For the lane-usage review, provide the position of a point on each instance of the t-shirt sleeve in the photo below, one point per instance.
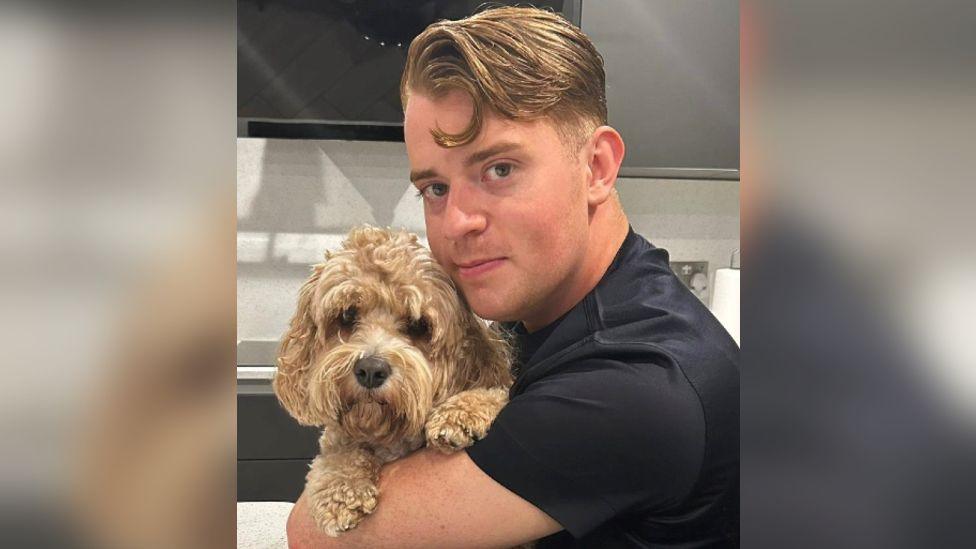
(597, 440)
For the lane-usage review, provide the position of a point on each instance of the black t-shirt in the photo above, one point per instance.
(623, 423)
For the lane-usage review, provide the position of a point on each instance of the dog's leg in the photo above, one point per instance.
(464, 418)
(341, 487)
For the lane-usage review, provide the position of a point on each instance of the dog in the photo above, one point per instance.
(385, 354)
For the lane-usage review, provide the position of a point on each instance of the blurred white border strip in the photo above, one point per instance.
(255, 372)
(296, 248)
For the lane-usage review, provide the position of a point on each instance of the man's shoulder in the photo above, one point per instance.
(640, 329)
(641, 304)
(629, 340)
(640, 332)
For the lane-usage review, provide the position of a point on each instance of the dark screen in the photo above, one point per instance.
(335, 60)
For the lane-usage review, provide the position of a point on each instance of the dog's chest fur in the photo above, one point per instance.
(333, 440)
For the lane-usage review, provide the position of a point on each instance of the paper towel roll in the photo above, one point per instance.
(725, 300)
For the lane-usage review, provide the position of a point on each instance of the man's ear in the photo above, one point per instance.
(605, 153)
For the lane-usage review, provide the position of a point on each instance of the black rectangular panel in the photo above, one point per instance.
(336, 61)
(271, 480)
(266, 431)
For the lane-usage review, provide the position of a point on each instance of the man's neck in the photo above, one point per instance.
(606, 236)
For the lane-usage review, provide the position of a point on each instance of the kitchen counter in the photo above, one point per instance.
(261, 524)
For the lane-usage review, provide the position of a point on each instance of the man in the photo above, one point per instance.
(622, 429)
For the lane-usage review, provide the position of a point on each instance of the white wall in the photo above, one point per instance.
(297, 198)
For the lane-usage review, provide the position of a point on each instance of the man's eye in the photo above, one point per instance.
(434, 190)
(500, 170)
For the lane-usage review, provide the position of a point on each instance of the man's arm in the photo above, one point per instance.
(429, 499)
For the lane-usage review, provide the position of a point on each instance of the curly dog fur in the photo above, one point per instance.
(384, 353)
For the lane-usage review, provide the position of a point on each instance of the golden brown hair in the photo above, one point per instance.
(521, 63)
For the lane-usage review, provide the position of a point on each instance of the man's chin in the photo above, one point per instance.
(489, 314)
(490, 310)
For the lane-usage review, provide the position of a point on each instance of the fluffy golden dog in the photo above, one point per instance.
(384, 354)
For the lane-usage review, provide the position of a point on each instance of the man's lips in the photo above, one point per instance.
(470, 269)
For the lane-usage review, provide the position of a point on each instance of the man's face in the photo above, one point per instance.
(506, 214)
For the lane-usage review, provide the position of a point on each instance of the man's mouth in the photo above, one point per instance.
(478, 267)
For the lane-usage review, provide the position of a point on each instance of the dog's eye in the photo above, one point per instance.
(418, 328)
(348, 317)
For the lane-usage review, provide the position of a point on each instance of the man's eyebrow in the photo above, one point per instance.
(498, 148)
(476, 157)
(422, 174)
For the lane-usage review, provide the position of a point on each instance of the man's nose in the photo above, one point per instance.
(463, 214)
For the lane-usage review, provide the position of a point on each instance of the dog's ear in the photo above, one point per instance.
(485, 359)
(295, 356)
(473, 353)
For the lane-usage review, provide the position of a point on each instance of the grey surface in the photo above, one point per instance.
(672, 82)
(678, 173)
(251, 352)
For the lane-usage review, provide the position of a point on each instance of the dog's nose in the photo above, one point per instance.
(371, 372)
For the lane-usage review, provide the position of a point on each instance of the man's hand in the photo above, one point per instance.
(429, 499)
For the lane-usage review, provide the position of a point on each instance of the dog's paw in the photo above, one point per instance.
(450, 438)
(340, 506)
(455, 425)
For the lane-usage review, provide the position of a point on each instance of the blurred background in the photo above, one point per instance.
(124, 143)
(117, 274)
(858, 377)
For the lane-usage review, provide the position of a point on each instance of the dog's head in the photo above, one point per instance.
(379, 337)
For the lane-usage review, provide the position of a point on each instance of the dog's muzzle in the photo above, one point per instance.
(371, 371)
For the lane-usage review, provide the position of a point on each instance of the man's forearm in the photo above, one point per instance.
(303, 532)
(429, 499)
